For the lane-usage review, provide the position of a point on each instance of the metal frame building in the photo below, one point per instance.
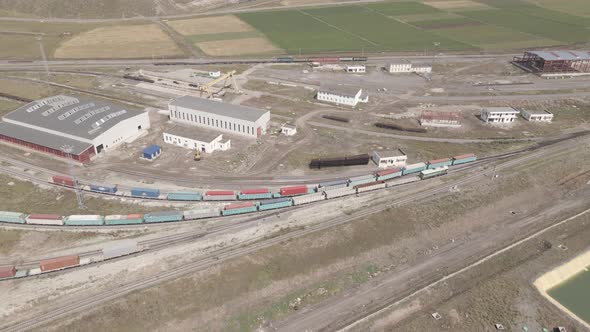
(554, 62)
(83, 126)
(225, 117)
(193, 138)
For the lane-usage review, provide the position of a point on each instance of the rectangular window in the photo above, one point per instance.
(208, 122)
(216, 123)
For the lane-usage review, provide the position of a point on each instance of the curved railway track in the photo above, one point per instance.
(67, 306)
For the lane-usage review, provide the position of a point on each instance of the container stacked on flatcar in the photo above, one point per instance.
(128, 219)
(63, 180)
(439, 163)
(276, 203)
(339, 192)
(370, 186)
(254, 194)
(145, 192)
(361, 180)
(163, 216)
(12, 217)
(59, 263)
(104, 188)
(413, 168)
(184, 196)
(201, 213)
(430, 173)
(7, 272)
(294, 191)
(332, 185)
(219, 195)
(465, 158)
(84, 220)
(45, 219)
(388, 174)
(239, 208)
(309, 198)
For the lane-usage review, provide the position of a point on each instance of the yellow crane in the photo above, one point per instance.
(206, 88)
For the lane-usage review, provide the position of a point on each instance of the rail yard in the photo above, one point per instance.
(294, 165)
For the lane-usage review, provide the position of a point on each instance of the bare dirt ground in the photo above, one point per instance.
(257, 290)
(210, 25)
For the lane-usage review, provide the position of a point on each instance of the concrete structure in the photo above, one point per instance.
(499, 114)
(288, 129)
(440, 119)
(193, 138)
(356, 69)
(408, 67)
(83, 127)
(389, 158)
(539, 116)
(220, 116)
(342, 95)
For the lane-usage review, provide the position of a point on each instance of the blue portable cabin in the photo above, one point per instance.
(413, 168)
(184, 196)
(152, 152)
(104, 188)
(163, 216)
(145, 192)
(462, 159)
(439, 163)
(275, 203)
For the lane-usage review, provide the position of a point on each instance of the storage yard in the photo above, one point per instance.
(404, 165)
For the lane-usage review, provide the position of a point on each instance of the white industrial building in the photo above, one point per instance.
(220, 116)
(288, 129)
(408, 67)
(356, 69)
(342, 95)
(537, 116)
(72, 127)
(389, 158)
(499, 114)
(193, 138)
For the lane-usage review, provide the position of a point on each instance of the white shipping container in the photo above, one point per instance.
(35, 271)
(219, 198)
(340, 192)
(373, 187)
(201, 213)
(84, 217)
(304, 199)
(56, 222)
(362, 177)
(84, 261)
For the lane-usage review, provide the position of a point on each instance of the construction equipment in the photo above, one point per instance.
(197, 156)
(206, 88)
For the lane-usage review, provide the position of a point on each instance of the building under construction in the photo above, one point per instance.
(555, 63)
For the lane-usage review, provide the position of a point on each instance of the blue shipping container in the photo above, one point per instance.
(415, 168)
(276, 205)
(274, 201)
(255, 196)
(185, 196)
(104, 188)
(164, 216)
(145, 192)
(463, 161)
(239, 211)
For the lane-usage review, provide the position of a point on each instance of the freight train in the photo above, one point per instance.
(284, 59)
(253, 200)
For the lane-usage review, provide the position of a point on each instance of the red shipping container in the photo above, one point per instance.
(439, 161)
(464, 156)
(254, 191)
(7, 271)
(135, 216)
(238, 205)
(45, 216)
(219, 193)
(59, 263)
(65, 180)
(388, 171)
(368, 184)
(295, 190)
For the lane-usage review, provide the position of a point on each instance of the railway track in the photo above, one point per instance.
(65, 308)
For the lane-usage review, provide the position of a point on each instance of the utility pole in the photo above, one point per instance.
(39, 39)
(67, 149)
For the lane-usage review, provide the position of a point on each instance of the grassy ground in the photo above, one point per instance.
(25, 89)
(7, 106)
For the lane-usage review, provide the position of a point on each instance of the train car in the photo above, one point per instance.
(201, 213)
(294, 190)
(359, 58)
(361, 159)
(12, 217)
(184, 196)
(239, 208)
(361, 180)
(145, 192)
(219, 195)
(59, 263)
(339, 192)
(125, 219)
(163, 216)
(309, 198)
(465, 158)
(402, 180)
(332, 185)
(276, 195)
(346, 58)
(45, 219)
(7, 272)
(413, 168)
(285, 59)
(439, 163)
(104, 188)
(121, 248)
(255, 194)
(370, 186)
(84, 220)
(63, 180)
(433, 172)
(388, 174)
(277, 203)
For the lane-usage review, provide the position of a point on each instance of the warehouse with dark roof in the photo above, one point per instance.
(73, 127)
